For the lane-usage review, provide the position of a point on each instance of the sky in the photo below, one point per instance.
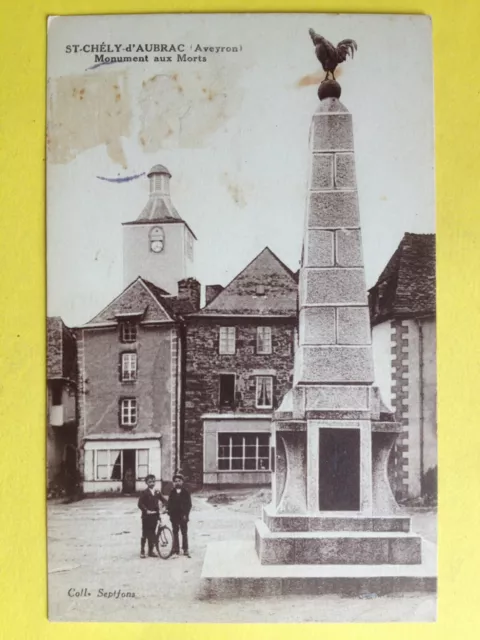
(233, 131)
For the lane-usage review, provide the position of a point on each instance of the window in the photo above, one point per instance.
(56, 393)
(264, 339)
(128, 412)
(142, 463)
(157, 183)
(227, 390)
(244, 452)
(102, 467)
(128, 332)
(129, 367)
(110, 463)
(227, 340)
(264, 394)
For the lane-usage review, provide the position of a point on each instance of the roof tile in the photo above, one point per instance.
(242, 295)
(406, 287)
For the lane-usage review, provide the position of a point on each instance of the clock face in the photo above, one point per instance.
(156, 246)
(157, 239)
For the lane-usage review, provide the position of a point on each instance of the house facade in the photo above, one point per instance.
(130, 354)
(402, 311)
(61, 403)
(238, 365)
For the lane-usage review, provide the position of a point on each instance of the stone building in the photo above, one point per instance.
(402, 311)
(61, 402)
(239, 360)
(130, 354)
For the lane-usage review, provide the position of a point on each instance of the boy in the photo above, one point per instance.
(148, 503)
(179, 506)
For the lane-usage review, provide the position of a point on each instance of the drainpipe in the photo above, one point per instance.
(421, 393)
(182, 372)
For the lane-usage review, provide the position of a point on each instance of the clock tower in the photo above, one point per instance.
(158, 245)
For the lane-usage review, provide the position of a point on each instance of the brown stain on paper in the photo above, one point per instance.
(316, 78)
(235, 190)
(86, 111)
(182, 109)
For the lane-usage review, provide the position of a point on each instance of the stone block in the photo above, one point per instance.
(319, 248)
(288, 523)
(386, 524)
(341, 550)
(345, 171)
(340, 524)
(322, 171)
(334, 286)
(333, 209)
(406, 550)
(298, 402)
(317, 325)
(400, 524)
(348, 248)
(335, 364)
(332, 132)
(277, 551)
(353, 325)
(324, 398)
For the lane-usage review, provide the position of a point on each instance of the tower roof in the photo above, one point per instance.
(159, 169)
(159, 206)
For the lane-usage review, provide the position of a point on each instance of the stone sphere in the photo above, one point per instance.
(329, 89)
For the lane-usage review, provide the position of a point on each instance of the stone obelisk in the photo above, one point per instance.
(332, 434)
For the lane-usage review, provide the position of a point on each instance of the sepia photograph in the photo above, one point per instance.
(241, 319)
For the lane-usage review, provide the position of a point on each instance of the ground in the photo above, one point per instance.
(94, 544)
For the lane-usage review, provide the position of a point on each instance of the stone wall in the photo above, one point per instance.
(414, 396)
(61, 350)
(204, 365)
(398, 464)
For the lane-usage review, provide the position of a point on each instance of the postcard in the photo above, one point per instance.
(241, 353)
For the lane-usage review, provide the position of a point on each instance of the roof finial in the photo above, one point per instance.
(330, 56)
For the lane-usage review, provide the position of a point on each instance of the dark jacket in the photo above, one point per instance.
(147, 502)
(179, 504)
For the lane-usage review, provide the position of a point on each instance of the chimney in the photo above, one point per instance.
(189, 289)
(211, 292)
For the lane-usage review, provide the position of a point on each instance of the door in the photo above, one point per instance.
(339, 476)
(128, 482)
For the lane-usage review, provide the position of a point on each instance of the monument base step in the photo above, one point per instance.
(232, 569)
(336, 547)
(333, 522)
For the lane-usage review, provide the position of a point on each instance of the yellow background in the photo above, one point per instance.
(456, 37)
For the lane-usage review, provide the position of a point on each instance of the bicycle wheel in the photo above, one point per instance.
(164, 542)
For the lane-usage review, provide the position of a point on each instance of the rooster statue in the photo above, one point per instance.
(330, 55)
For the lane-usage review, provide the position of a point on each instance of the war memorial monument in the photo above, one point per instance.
(333, 525)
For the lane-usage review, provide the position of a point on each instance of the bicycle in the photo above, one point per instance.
(163, 539)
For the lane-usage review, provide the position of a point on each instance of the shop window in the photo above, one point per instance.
(243, 452)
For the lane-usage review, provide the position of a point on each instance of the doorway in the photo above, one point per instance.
(128, 480)
(339, 477)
